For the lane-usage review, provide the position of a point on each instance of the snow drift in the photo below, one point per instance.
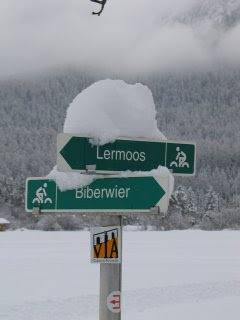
(109, 109)
(106, 110)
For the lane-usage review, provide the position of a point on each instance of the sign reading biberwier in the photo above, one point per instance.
(77, 153)
(115, 195)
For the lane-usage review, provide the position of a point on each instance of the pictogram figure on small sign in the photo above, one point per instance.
(108, 248)
(106, 244)
(41, 195)
(180, 159)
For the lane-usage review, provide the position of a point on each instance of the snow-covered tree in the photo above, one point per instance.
(202, 107)
(211, 201)
(184, 201)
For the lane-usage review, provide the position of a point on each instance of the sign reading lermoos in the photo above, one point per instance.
(77, 153)
(112, 194)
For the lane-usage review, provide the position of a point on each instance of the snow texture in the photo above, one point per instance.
(75, 180)
(109, 109)
(105, 111)
(177, 275)
(2, 220)
(70, 180)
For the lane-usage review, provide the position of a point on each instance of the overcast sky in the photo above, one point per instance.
(130, 35)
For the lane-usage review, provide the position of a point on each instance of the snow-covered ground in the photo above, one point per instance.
(166, 275)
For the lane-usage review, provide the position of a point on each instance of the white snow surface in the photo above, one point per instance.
(109, 109)
(105, 111)
(181, 275)
(2, 220)
(70, 180)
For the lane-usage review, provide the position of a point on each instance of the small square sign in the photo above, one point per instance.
(181, 158)
(106, 244)
(40, 193)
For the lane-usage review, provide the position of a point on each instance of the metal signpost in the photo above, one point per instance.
(111, 196)
(110, 280)
(76, 153)
(106, 244)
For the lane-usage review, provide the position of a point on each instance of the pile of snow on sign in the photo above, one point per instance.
(106, 110)
(70, 180)
(109, 109)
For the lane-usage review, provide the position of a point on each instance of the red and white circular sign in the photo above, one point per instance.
(114, 301)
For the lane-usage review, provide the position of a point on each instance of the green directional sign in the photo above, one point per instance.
(180, 158)
(112, 194)
(77, 153)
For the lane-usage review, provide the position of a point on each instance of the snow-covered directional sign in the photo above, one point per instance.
(76, 153)
(111, 195)
(106, 244)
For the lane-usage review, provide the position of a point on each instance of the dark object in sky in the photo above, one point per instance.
(102, 2)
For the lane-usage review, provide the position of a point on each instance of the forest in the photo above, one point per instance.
(203, 107)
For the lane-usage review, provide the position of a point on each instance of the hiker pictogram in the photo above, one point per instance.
(180, 161)
(114, 301)
(41, 195)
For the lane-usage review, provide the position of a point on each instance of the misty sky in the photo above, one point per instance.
(131, 35)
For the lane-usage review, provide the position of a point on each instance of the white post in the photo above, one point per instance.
(110, 280)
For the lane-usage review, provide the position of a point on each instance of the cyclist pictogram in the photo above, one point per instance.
(41, 195)
(180, 161)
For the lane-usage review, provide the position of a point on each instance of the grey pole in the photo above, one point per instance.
(110, 279)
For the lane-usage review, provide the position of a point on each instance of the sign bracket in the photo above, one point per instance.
(155, 210)
(91, 168)
(36, 211)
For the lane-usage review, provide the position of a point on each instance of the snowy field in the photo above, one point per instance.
(166, 275)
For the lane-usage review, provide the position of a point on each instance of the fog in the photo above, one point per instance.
(131, 36)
